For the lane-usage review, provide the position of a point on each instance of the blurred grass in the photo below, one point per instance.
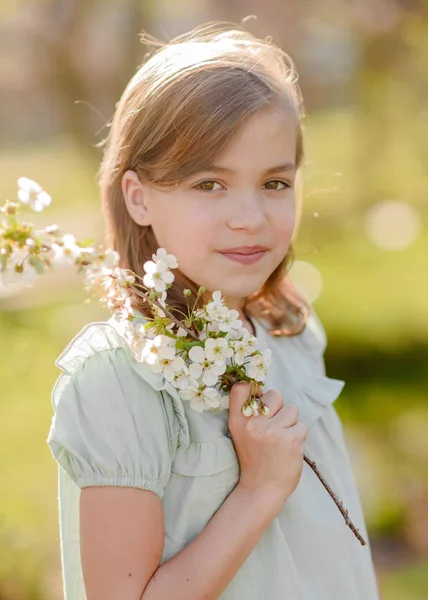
(372, 306)
(410, 583)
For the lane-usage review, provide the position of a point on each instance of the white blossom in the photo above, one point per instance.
(125, 311)
(32, 194)
(18, 269)
(67, 253)
(202, 366)
(169, 365)
(216, 310)
(115, 282)
(103, 264)
(164, 260)
(184, 380)
(158, 348)
(230, 320)
(258, 366)
(216, 304)
(217, 349)
(123, 277)
(137, 338)
(157, 275)
(197, 354)
(109, 260)
(244, 347)
(220, 318)
(237, 334)
(201, 398)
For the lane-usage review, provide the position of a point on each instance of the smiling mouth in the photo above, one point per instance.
(245, 259)
(244, 249)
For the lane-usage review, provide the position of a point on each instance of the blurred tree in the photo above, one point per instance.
(77, 39)
(381, 90)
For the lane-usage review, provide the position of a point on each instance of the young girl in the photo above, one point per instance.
(158, 501)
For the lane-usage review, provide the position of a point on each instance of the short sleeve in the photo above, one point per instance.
(110, 426)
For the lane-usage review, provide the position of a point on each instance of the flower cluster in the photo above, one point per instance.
(201, 356)
(26, 252)
(158, 274)
(203, 362)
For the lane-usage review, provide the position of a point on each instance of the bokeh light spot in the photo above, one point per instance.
(393, 225)
(307, 278)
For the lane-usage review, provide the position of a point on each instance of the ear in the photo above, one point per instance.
(135, 196)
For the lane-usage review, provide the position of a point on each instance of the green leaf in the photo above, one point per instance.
(199, 324)
(86, 243)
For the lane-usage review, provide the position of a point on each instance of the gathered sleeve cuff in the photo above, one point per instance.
(110, 425)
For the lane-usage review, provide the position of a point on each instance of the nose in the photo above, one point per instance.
(247, 210)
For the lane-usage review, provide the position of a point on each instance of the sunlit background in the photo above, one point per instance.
(360, 256)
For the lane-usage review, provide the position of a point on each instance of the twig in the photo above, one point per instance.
(338, 502)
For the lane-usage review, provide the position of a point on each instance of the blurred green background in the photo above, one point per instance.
(360, 255)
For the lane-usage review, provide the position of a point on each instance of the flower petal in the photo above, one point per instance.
(197, 354)
(195, 370)
(209, 377)
(150, 267)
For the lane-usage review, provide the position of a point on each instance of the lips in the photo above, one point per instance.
(245, 255)
(244, 250)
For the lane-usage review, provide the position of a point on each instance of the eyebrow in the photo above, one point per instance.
(216, 168)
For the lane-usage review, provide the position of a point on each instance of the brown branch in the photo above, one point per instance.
(336, 500)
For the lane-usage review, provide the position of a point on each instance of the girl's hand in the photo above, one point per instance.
(269, 448)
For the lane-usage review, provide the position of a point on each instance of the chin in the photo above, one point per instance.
(239, 291)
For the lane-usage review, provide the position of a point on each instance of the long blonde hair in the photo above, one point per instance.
(181, 108)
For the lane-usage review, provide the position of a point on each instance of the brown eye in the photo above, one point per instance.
(274, 183)
(207, 186)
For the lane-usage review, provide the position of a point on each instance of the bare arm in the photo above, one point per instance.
(122, 533)
(121, 541)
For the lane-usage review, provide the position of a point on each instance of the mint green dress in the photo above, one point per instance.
(115, 423)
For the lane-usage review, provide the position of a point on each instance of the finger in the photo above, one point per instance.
(274, 400)
(238, 396)
(300, 430)
(287, 416)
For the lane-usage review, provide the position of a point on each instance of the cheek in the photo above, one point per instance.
(186, 234)
(284, 223)
(192, 227)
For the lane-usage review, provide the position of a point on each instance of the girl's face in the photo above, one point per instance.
(245, 199)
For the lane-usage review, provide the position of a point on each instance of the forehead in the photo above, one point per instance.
(266, 138)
